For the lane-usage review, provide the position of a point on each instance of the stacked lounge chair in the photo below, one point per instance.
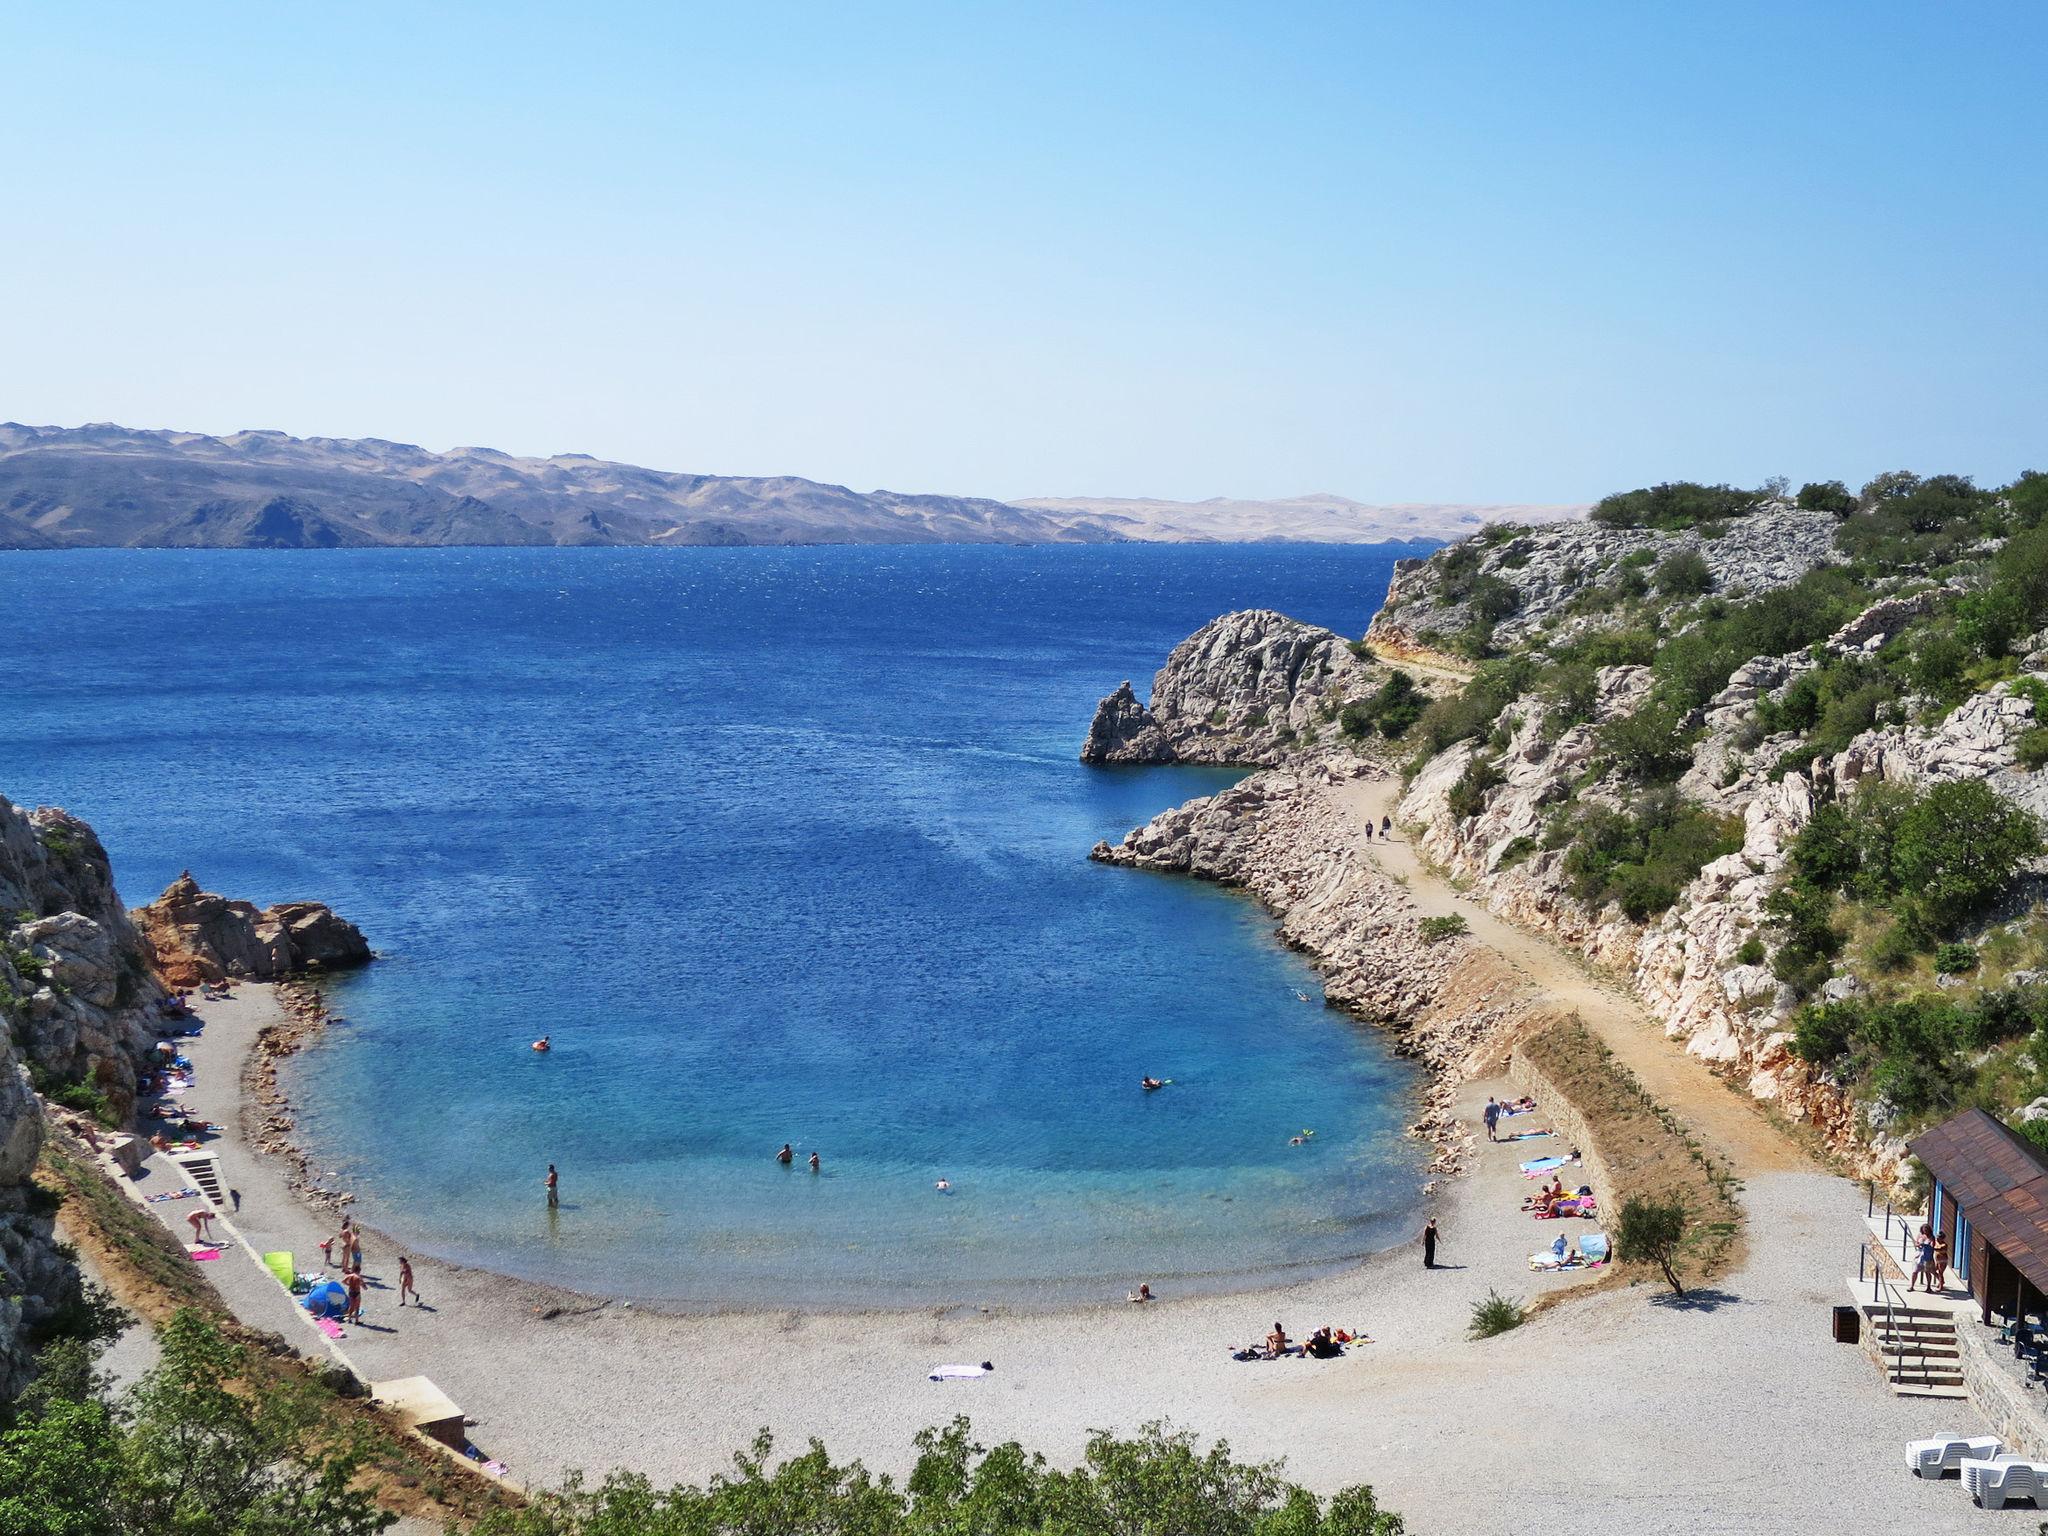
(1946, 1453)
(1995, 1482)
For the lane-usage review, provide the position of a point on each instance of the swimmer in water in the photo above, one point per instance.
(814, 1162)
(542, 1044)
(944, 1186)
(786, 1155)
(1149, 1083)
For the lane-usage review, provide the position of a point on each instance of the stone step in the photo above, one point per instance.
(1911, 1389)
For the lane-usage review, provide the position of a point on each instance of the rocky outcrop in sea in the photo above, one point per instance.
(195, 936)
(1248, 688)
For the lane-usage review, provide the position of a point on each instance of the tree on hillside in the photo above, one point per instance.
(1955, 850)
(1651, 1232)
(1827, 496)
(184, 1452)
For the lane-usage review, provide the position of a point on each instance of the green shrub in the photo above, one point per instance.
(1894, 949)
(1647, 745)
(1955, 959)
(1642, 857)
(1751, 952)
(1675, 504)
(1394, 706)
(1492, 600)
(1495, 1314)
(1450, 926)
(2032, 746)
(1467, 797)
(1685, 574)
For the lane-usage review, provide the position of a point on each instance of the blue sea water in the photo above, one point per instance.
(777, 845)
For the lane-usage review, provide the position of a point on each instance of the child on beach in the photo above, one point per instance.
(405, 1285)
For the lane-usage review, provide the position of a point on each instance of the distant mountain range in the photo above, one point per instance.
(104, 486)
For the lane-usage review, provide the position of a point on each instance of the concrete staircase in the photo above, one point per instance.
(1917, 1346)
(200, 1168)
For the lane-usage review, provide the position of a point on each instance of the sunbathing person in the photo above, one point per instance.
(1321, 1345)
(1276, 1343)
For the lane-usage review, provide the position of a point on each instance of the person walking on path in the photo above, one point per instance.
(353, 1280)
(405, 1284)
(1429, 1244)
(554, 1186)
(1924, 1268)
(1492, 1118)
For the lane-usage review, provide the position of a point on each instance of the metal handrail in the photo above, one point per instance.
(1885, 1294)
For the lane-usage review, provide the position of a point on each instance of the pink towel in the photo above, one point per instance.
(330, 1327)
(201, 1255)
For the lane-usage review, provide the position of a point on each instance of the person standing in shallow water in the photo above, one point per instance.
(554, 1186)
(814, 1162)
(787, 1155)
(1429, 1244)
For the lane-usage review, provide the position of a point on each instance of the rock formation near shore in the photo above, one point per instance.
(196, 936)
(1248, 688)
(1285, 837)
(75, 983)
(76, 998)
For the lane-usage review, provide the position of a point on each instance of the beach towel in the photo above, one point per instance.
(201, 1255)
(1543, 1165)
(330, 1327)
(495, 1468)
(181, 1194)
(280, 1266)
(959, 1372)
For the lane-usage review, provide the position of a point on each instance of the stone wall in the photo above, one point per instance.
(1553, 1104)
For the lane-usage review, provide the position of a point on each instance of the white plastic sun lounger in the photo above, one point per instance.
(1946, 1453)
(1993, 1484)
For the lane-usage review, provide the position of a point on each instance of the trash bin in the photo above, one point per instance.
(1848, 1325)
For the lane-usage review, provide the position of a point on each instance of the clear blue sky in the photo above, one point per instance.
(1402, 252)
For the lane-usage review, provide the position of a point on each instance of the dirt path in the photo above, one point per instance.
(1725, 1119)
(1449, 674)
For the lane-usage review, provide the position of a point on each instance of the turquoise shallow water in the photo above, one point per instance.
(778, 845)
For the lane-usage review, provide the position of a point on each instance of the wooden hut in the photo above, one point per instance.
(1991, 1200)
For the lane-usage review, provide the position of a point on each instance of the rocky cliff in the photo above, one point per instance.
(196, 936)
(1250, 687)
(37, 1277)
(1537, 578)
(75, 983)
(77, 998)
